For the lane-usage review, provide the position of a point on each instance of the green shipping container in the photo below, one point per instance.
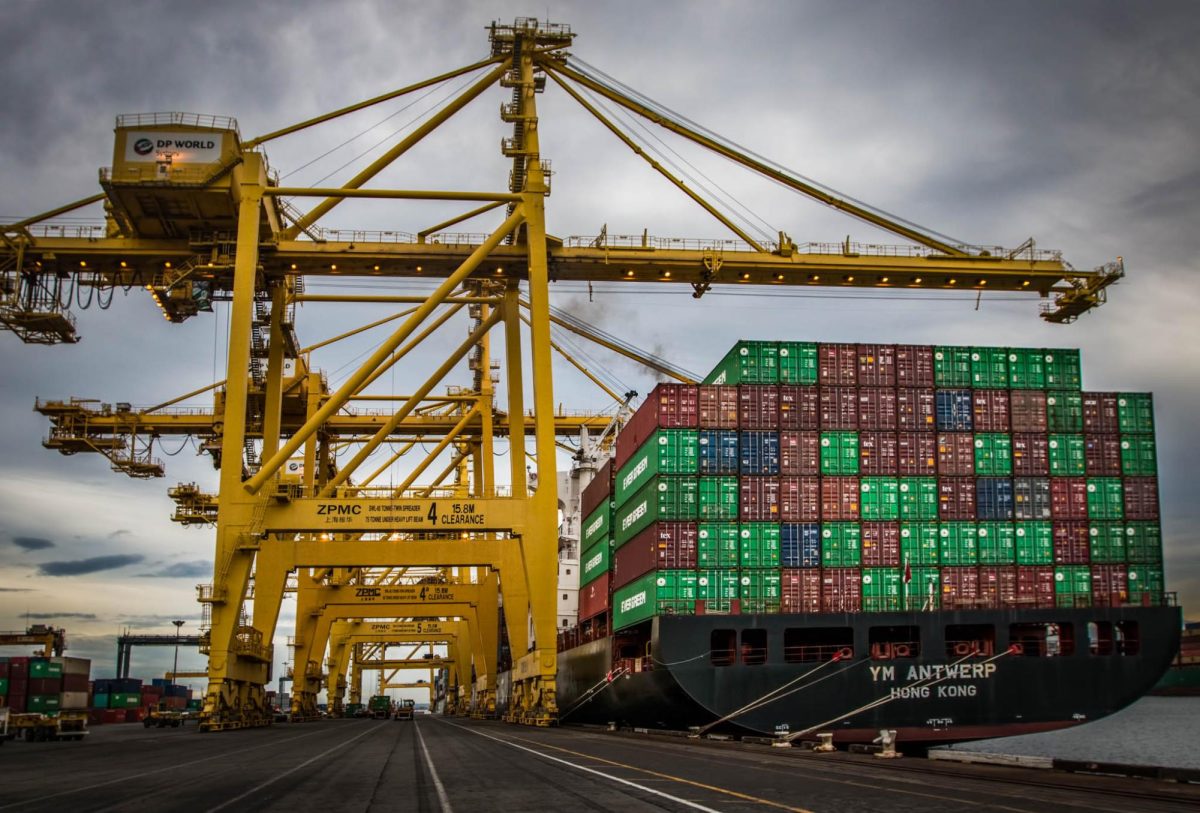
(3, 687)
(993, 454)
(918, 497)
(717, 498)
(40, 669)
(958, 543)
(718, 585)
(42, 703)
(919, 543)
(1138, 456)
(880, 500)
(1143, 542)
(760, 591)
(598, 525)
(717, 544)
(924, 591)
(636, 601)
(758, 544)
(839, 453)
(124, 701)
(1135, 412)
(1064, 411)
(667, 451)
(677, 591)
(1026, 369)
(594, 562)
(1067, 456)
(989, 368)
(952, 366)
(1073, 586)
(663, 498)
(747, 363)
(1035, 543)
(797, 363)
(882, 589)
(100, 701)
(1107, 542)
(997, 543)
(1106, 498)
(841, 544)
(1063, 370)
(1146, 584)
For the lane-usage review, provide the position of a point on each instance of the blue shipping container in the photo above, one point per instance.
(994, 498)
(954, 410)
(759, 453)
(800, 544)
(718, 451)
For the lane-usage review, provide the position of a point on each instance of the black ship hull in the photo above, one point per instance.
(1009, 678)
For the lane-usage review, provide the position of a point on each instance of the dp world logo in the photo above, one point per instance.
(143, 146)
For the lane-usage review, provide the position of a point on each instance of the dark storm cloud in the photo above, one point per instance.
(182, 570)
(32, 542)
(17, 590)
(82, 567)
(54, 616)
(154, 621)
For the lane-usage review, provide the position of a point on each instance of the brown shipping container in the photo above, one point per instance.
(956, 498)
(799, 499)
(758, 499)
(837, 365)
(841, 590)
(839, 499)
(878, 453)
(799, 452)
(718, 407)
(997, 586)
(45, 685)
(839, 408)
(1072, 545)
(916, 410)
(598, 490)
(1110, 585)
(914, 365)
(877, 409)
(881, 544)
(593, 598)
(1068, 498)
(1102, 454)
(1141, 498)
(990, 410)
(75, 683)
(668, 406)
(1100, 413)
(1030, 455)
(1027, 409)
(876, 365)
(916, 454)
(955, 454)
(960, 588)
(801, 590)
(758, 406)
(1035, 586)
(799, 407)
(662, 546)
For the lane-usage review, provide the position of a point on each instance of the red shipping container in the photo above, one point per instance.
(662, 546)
(135, 715)
(18, 669)
(914, 365)
(916, 454)
(1030, 455)
(16, 701)
(956, 497)
(114, 715)
(997, 586)
(990, 410)
(156, 691)
(1068, 498)
(1100, 413)
(877, 409)
(799, 407)
(669, 406)
(4, 669)
(1035, 586)
(839, 408)
(718, 407)
(878, 453)
(1141, 498)
(599, 489)
(799, 499)
(837, 365)
(758, 406)
(45, 685)
(800, 589)
(593, 598)
(955, 454)
(1102, 454)
(916, 410)
(759, 499)
(876, 365)
(960, 588)
(75, 683)
(881, 544)
(1027, 409)
(799, 452)
(1110, 585)
(1072, 545)
(839, 499)
(841, 590)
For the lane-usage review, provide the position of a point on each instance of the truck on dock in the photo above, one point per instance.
(33, 727)
(404, 710)
(380, 707)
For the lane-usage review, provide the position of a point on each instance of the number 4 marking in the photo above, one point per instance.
(432, 515)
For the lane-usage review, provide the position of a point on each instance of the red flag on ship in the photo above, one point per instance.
(907, 571)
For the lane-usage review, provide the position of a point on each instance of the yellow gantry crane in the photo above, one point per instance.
(194, 214)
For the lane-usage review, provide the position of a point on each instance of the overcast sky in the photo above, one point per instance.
(1072, 122)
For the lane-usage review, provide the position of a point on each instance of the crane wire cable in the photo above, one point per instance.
(626, 346)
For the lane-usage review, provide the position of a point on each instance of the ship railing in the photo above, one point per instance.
(626, 665)
(973, 648)
(799, 653)
(886, 650)
(723, 656)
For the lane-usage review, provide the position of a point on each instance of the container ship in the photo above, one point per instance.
(949, 542)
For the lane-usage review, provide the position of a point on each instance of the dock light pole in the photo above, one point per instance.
(174, 669)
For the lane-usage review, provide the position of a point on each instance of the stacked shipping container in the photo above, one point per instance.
(44, 685)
